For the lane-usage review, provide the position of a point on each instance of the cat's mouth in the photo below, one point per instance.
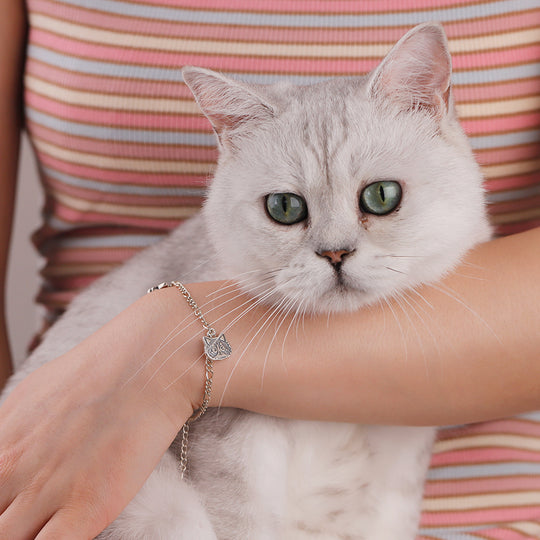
(346, 289)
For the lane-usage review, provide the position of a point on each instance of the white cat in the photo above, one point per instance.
(333, 196)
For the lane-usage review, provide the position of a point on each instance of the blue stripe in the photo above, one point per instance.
(107, 187)
(107, 133)
(121, 240)
(513, 195)
(531, 416)
(453, 533)
(505, 139)
(307, 20)
(482, 471)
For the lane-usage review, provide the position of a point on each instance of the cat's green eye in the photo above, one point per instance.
(286, 208)
(381, 197)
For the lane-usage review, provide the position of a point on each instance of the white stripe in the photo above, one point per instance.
(497, 441)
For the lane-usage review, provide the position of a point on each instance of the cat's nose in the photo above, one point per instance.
(334, 257)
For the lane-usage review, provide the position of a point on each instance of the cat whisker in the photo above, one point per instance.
(241, 356)
(396, 318)
(282, 312)
(180, 347)
(168, 339)
(401, 256)
(452, 294)
(395, 270)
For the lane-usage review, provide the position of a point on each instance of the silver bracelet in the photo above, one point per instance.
(216, 347)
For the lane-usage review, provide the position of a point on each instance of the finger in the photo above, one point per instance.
(23, 518)
(9, 459)
(67, 524)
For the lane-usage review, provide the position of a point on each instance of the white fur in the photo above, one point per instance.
(254, 477)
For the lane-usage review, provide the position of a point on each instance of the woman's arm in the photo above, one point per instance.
(12, 39)
(463, 350)
(79, 436)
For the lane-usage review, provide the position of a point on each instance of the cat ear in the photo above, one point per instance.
(415, 74)
(226, 103)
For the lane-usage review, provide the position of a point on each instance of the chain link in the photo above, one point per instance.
(208, 367)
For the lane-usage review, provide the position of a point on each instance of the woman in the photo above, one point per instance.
(52, 485)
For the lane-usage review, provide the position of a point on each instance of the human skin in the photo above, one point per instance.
(79, 436)
(12, 32)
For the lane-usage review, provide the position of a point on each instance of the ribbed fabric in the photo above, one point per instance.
(125, 155)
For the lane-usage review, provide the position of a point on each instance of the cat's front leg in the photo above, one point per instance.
(166, 507)
(400, 459)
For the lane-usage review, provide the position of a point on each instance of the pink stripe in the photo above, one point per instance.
(122, 177)
(495, 515)
(126, 150)
(487, 92)
(93, 255)
(514, 228)
(104, 117)
(495, 24)
(81, 218)
(515, 206)
(509, 154)
(483, 126)
(501, 57)
(124, 198)
(512, 182)
(468, 486)
(108, 85)
(483, 455)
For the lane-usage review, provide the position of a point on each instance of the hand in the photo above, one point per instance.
(79, 436)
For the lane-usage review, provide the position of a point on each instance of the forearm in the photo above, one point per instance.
(460, 351)
(463, 350)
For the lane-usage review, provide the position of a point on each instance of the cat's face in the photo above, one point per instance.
(332, 196)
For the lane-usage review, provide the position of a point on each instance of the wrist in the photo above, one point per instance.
(159, 354)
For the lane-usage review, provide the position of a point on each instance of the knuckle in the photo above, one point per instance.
(9, 457)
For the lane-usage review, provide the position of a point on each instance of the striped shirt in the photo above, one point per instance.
(125, 155)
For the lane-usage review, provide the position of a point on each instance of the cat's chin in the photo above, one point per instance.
(341, 298)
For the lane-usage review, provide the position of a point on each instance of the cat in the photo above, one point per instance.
(334, 196)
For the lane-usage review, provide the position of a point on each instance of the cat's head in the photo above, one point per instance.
(331, 196)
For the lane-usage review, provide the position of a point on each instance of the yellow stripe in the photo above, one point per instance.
(158, 212)
(506, 441)
(124, 164)
(110, 101)
(476, 502)
(527, 527)
(200, 46)
(495, 108)
(511, 169)
(499, 40)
